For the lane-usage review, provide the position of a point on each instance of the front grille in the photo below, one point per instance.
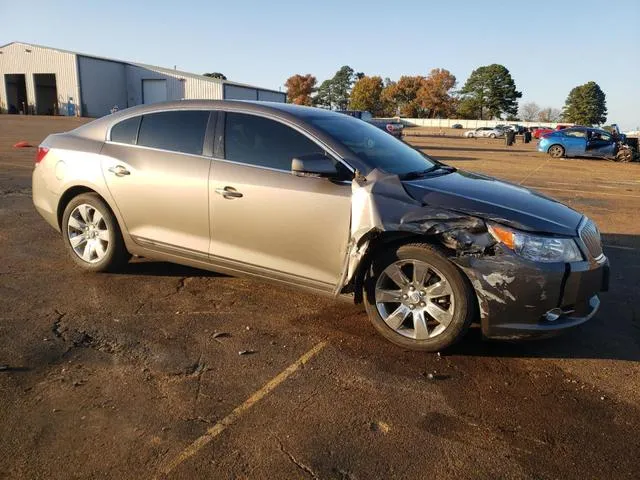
(590, 235)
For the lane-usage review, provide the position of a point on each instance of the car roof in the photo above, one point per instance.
(289, 113)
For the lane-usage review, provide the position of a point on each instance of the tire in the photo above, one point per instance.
(556, 151)
(492, 135)
(444, 292)
(470, 135)
(624, 155)
(92, 235)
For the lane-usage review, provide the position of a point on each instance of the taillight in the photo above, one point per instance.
(41, 153)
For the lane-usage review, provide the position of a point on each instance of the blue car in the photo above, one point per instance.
(583, 142)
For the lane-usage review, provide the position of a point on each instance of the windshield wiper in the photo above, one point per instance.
(424, 173)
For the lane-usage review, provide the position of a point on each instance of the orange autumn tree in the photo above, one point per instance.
(300, 88)
(434, 95)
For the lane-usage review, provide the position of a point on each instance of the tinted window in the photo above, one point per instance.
(259, 141)
(179, 131)
(126, 131)
(374, 146)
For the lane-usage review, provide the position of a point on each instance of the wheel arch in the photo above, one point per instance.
(381, 241)
(73, 192)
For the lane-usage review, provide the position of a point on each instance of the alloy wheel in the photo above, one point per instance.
(88, 233)
(556, 151)
(414, 299)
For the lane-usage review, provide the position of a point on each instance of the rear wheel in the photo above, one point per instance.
(556, 151)
(92, 235)
(416, 298)
(492, 135)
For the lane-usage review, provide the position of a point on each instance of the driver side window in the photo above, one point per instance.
(263, 142)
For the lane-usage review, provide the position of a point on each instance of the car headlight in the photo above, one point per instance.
(537, 248)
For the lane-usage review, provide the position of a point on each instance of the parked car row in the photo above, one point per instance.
(485, 132)
(392, 128)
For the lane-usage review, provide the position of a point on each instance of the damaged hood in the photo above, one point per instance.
(492, 199)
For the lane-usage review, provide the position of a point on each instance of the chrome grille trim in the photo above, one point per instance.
(590, 236)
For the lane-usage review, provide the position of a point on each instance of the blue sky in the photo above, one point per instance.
(549, 47)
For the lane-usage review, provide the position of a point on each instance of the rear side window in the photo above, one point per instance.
(178, 131)
(126, 131)
(263, 142)
(574, 133)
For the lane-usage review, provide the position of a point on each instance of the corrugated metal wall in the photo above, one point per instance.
(103, 84)
(16, 59)
(178, 86)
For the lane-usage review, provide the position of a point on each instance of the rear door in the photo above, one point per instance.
(157, 172)
(264, 217)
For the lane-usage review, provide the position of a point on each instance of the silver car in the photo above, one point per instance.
(484, 132)
(324, 202)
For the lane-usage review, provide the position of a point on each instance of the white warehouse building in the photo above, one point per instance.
(41, 80)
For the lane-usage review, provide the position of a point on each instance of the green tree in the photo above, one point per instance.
(300, 88)
(490, 92)
(334, 93)
(366, 94)
(215, 75)
(586, 105)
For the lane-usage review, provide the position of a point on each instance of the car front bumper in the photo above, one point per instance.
(519, 298)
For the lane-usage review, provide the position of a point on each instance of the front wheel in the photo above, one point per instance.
(416, 298)
(624, 155)
(556, 151)
(492, 135)
(92, 235)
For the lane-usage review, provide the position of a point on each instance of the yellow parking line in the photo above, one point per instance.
(221, 426)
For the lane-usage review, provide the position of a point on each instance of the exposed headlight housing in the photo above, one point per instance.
(537, 248)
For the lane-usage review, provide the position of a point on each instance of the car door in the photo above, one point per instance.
(574, 142)
(157, 173)
(265, 219)
(601, 145)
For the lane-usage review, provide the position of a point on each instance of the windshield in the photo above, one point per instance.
(375, 147)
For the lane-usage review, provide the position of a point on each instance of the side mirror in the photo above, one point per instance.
(315, 165)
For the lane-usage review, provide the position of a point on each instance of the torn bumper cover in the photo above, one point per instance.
(516, 297)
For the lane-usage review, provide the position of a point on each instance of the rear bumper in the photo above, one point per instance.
(518, 298)
(44, 200)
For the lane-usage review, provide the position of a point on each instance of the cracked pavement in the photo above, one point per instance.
(109, 376)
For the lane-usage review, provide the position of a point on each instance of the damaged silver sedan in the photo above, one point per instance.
(321, 201)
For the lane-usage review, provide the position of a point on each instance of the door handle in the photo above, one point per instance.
(119, 171)
(228, 192)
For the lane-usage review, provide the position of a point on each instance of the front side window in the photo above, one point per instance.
(179, 131)
(263, 142)
(372, 145)
(126, 131)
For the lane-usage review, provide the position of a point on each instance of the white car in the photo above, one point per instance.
(484, 132)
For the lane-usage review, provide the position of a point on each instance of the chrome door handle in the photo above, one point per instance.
(228, 192)
(119, 171)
